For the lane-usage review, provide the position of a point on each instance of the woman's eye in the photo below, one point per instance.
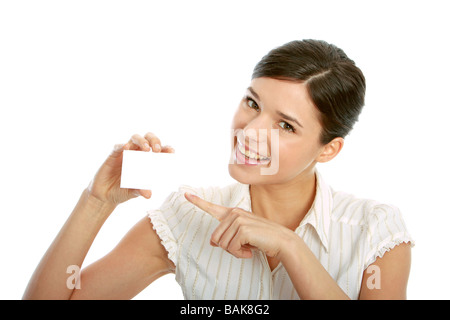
(252, 104)
(286, 126)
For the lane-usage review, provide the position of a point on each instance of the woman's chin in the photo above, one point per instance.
(248, 175)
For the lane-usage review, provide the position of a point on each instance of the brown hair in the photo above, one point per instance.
(335, 84)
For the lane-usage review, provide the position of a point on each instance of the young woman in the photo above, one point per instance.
(282, 235)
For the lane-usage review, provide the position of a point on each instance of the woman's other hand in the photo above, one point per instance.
(105, 186)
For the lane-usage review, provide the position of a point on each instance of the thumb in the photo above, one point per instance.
(134, 193)
(145, 193)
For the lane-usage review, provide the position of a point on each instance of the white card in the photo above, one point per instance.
(149, 170)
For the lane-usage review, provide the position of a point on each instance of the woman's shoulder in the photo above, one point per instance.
(382, 225)
(364, 211)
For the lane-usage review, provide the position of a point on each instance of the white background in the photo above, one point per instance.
(77, 77)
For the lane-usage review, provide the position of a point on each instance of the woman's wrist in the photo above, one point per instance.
(290, 246)
(309, 277)
(98, 207)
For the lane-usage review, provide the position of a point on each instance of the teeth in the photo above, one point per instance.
(250, 154)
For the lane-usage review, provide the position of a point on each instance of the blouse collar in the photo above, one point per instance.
(319, 215)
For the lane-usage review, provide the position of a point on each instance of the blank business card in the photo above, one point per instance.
(148, 170)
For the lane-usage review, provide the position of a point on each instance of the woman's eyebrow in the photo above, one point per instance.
(281, 114)
(285, 116)
(253, 92)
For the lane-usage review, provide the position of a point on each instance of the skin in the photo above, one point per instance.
(277, 210)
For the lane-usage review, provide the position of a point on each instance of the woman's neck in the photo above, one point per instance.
(286, 204)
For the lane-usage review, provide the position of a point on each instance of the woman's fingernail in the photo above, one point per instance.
(157, 147)
(189, 195)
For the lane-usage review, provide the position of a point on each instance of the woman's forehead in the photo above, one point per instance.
(285, 96)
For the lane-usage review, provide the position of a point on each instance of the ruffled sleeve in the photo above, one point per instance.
(385, 230)
(168, 220)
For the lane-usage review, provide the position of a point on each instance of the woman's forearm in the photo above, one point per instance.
(69, 248)
(309, 277)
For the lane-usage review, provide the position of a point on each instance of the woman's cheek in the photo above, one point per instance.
(288, 160)
(293, 159)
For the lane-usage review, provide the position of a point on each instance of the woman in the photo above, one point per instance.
(282, 234)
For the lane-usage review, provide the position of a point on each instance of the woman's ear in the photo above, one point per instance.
(331, 150)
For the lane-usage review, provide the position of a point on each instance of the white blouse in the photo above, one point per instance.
(346, 235)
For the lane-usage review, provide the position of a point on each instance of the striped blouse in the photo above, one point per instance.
(346, 235)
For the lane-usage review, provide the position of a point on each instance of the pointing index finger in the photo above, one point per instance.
(217, 211)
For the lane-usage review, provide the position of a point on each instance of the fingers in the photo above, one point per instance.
(145, 193)
(117, 150)
(231, 234)
(168, 149)
(227, 228)
(148, 142)
(154, 141)
(138, 142)
(134, 193)
(239, 248)
(218, 212)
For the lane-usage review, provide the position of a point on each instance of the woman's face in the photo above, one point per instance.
(269, 107)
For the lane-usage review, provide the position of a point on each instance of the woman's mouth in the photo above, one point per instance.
(246, 156)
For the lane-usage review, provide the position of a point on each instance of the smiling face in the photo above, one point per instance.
(286, 107)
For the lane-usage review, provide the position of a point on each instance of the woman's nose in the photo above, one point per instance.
(255, 140)
(257, 130)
